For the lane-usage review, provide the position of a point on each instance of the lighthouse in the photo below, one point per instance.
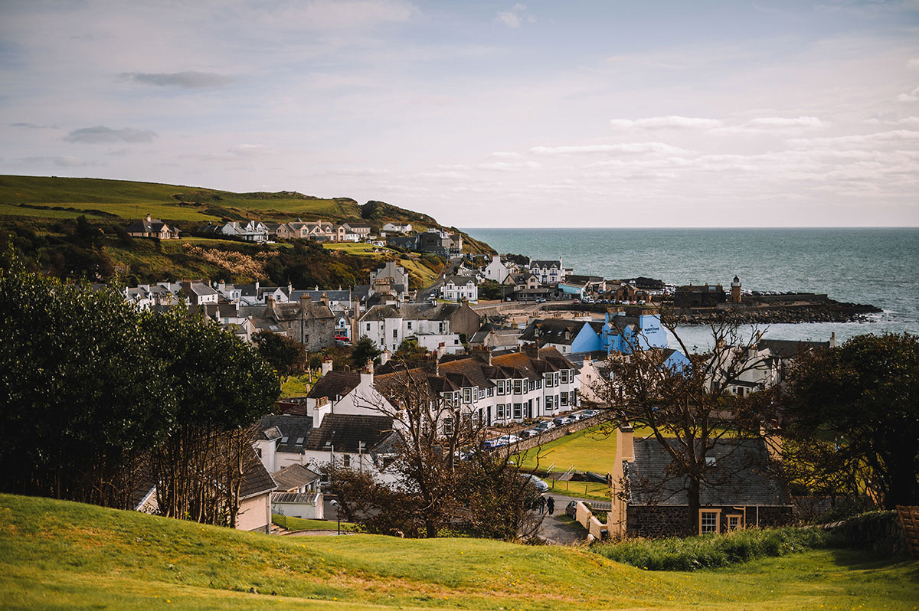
(735, 290)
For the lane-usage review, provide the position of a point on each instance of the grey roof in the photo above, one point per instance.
(739, 477)
(542, 264)
(412, 311)
(460, 280)
(256, 479)
(335, 384)
(317, 295)
(789, 349)
(345, 433)
(305, 498)
(292, 428)
(294, 476)
(552, 331)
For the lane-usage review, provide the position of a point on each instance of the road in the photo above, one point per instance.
(555, 531)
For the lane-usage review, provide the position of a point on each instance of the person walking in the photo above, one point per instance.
(542, 504)
(550, 504)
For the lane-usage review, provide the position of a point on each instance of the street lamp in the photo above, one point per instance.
(337, 513)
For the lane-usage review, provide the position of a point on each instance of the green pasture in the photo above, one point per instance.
(61, 555)
(357, 248)
(587, 450)
(290, 523)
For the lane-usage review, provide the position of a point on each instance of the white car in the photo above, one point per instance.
(539, 484)
(506, 440)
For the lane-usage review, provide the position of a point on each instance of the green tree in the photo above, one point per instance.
(286, 355)
(854, 410)
(364, 350)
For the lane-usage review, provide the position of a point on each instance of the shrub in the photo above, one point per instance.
(709, 551)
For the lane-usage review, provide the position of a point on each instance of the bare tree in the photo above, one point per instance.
(690, 406)
(444, 478)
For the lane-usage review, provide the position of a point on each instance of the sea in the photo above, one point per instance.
(878, 266)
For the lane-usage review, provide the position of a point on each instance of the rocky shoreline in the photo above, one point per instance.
(829, 311)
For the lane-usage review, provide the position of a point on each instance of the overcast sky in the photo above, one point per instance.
(483, 114)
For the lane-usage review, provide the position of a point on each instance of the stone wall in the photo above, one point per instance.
(659, 521)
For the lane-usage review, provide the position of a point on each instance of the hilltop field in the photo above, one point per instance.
(56, 554)
(41, 216)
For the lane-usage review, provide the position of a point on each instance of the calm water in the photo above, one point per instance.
(876, 266)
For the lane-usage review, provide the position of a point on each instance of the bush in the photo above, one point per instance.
(879, 531)
(710, 551)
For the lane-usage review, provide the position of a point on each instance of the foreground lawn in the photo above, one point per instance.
(56, 554)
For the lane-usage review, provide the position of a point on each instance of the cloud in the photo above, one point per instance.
(250, 150)
(616, 149)
(181, 80)
(912, 96)
(508, 166)
(668, 122)
(106, 135)
(515, 17)
(783, 122)
(505, 155)
(62, 161)
(913, 64)
(33, 126)
(322, 15)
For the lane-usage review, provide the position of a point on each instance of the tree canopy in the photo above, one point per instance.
(855, 409)
(92, 387)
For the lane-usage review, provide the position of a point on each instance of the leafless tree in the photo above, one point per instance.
(689, 406)
(444, 476)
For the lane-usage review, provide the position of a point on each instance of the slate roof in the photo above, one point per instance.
(335, 384)
(344, 432)
(745, 479)
(293, 310)
(552, 331)
(411, 311)
(789, 349)
(305, 498)
(292, 477)
(316, 296)
(460, 280)
(546, 264)
(256, 479)
(145, 226)
(293, 428)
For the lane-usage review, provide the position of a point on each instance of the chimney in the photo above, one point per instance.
(355, 320)
(290, 288)
(305, 297)
(625, 444)
(327, 365)
(367, 373)
(324, 298)
(385, 356)
(149, 218)
(269, 307)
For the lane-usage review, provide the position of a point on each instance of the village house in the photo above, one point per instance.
(548, 272)
(308, 322)
(649, 500)
(403, 228)
(496, 270)
(459, 288)
(152, 228)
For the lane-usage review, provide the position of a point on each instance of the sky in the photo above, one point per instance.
(573, 113)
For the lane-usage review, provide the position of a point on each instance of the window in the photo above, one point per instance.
(548, 380)
(346, 460)
(532, 385)
(409, 325)
(448, 426)
(395, 334)
(368, 326)
(550, 403)
(708, 521)
(491, 392)
(564, 397)
(467, 395)
(538, 384)
(518, 387)
(517, 410)
(734, 522)
(499, 411)
(574, 398)
(564, 376)
(500, 384)
(555, 381)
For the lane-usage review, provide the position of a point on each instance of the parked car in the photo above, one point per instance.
(589, 413)
(544, 426)
(539, 484)
(563, 420)
(571, 510)
(505, 440)
(529, 433)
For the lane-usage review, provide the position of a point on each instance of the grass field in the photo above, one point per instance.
(357, 248)
(134, 200)
(55, 554)
(586, 450)
(300, 524)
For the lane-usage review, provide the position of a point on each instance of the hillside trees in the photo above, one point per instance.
(286, 355)
(854, 418)
(95, 394)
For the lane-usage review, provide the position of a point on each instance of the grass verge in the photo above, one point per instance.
(713, 551)
(291, 523)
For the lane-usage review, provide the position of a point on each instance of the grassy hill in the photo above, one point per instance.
(56, 554)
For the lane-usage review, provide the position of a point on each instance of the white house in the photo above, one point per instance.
(397, 228)
(548, 272)
(458, 288)
(496, 270)
(389, 325)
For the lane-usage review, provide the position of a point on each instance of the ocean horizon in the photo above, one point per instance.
(868, 265)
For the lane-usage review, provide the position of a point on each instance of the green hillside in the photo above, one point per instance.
(56, 554)
(51, 197)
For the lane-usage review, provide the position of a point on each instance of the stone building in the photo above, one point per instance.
(310, 323)
(649, 500)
